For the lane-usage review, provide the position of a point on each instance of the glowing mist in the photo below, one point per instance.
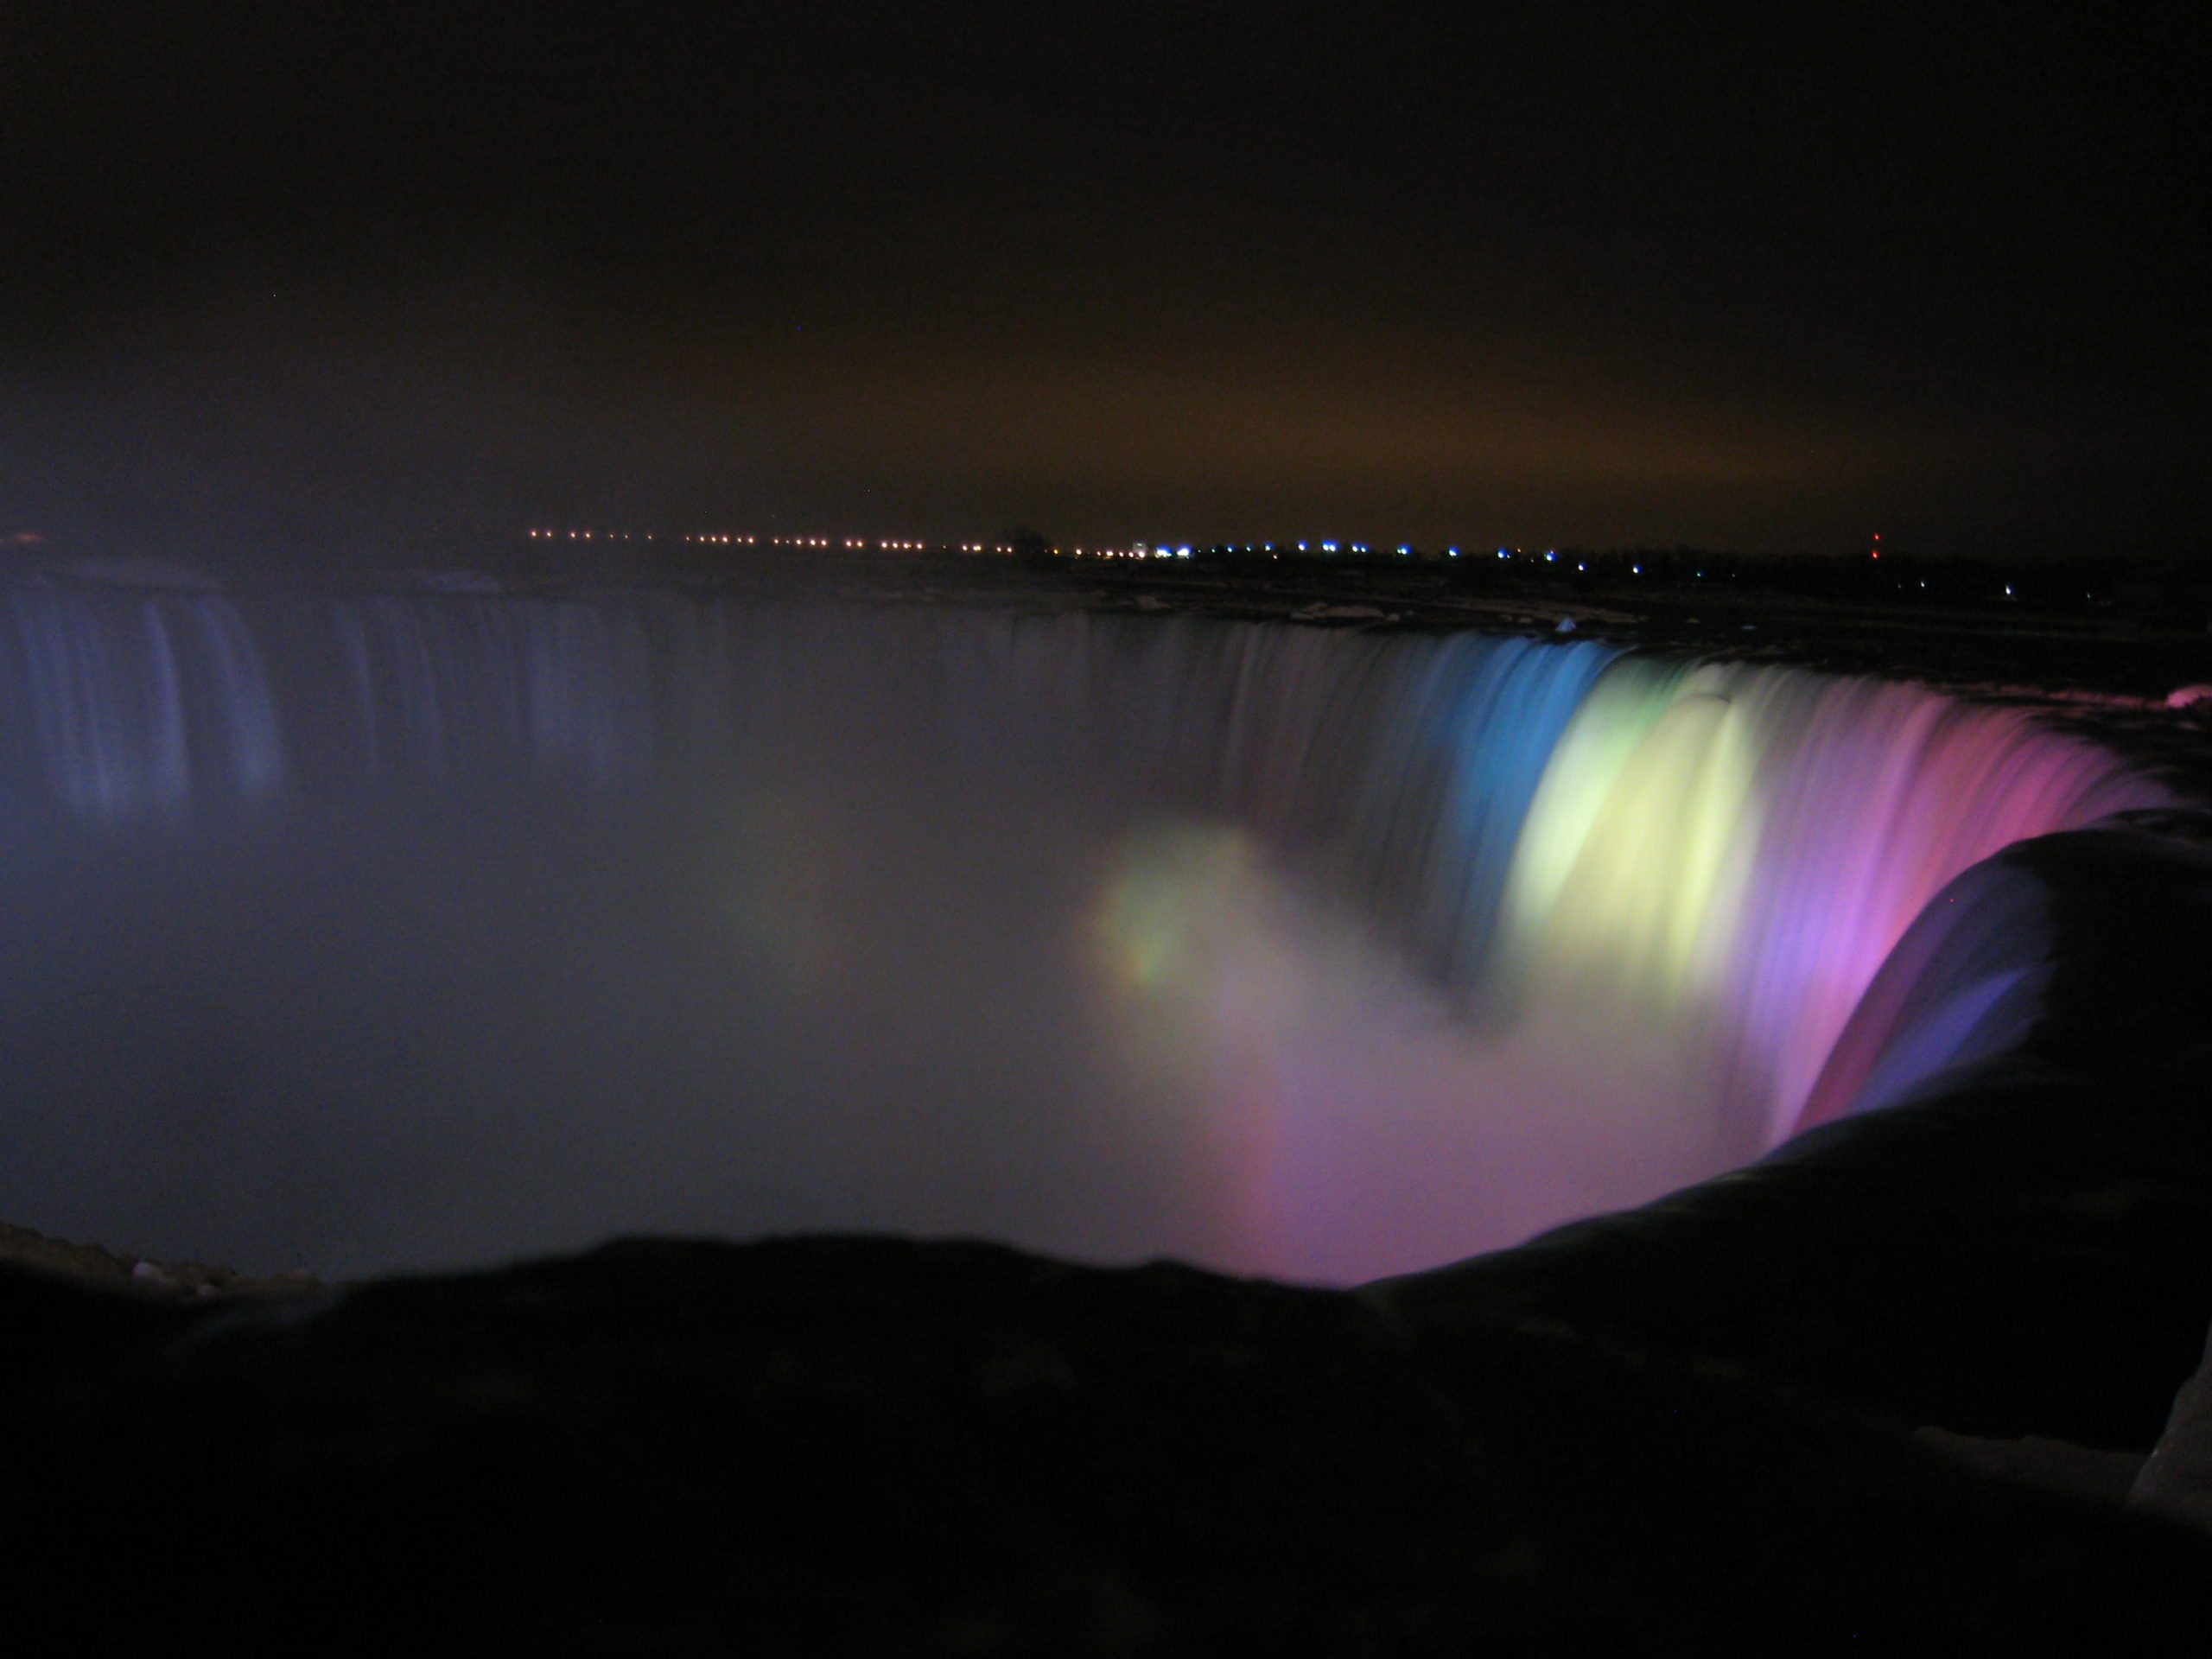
(393, 929)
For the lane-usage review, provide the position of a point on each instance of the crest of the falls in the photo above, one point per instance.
(1321, 952)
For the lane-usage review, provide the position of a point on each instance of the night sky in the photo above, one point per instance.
(317, 274)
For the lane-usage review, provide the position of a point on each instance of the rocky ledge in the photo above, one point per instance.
(98, 1265)
(868, 1446)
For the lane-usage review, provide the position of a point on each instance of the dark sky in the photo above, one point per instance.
(318, 272)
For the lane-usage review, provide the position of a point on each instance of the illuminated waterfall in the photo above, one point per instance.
(1746, 845)
(122, 705)
(1409, 931)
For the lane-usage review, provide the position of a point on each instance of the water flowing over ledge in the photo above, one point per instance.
(1393, 947)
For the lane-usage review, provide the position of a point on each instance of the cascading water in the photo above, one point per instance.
(377, 930)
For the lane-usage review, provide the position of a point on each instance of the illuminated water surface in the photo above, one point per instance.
(410, 929)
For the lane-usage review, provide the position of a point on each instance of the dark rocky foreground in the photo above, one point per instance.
(833, 1446)
(1883, 1392)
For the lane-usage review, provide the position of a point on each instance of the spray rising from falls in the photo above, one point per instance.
(400, 927)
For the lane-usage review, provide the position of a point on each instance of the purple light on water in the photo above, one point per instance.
(413, 926)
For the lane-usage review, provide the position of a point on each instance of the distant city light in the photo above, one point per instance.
(1134, 549)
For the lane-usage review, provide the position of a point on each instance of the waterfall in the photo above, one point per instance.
(122, 704)
(1326, 899)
